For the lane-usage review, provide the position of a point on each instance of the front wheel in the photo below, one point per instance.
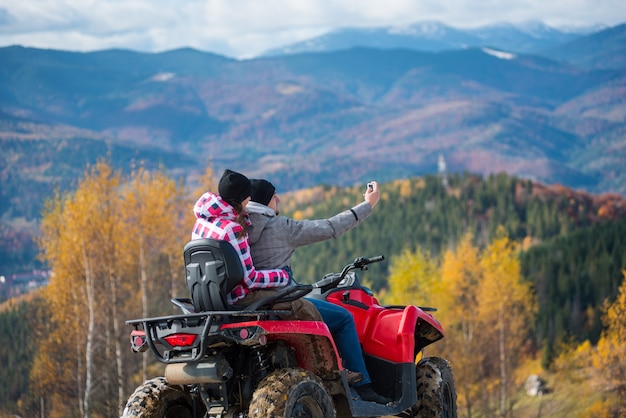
(436, 394)
(156, 399)
(290, 393)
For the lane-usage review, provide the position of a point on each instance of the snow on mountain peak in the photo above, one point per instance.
(499, 54)
(161, 77)
(426, 29)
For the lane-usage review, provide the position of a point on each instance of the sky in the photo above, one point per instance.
(246, 28)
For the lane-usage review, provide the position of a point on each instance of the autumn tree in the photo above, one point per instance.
(461, 274)
(206, 182)
(485, 307)
(154, 235)
(507, 309)
(78, 243)
(109, 244)
(607, 374)
(413, 279)
(609, 360)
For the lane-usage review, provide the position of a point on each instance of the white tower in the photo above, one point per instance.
(441, 163)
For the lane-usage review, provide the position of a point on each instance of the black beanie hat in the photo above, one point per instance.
(262, 191)
(234, 187)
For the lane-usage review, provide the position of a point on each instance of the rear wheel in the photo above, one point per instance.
(436, 394)
(156, 399)
(291, 393)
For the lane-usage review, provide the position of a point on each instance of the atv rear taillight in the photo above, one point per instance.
(181, 340)
(138, 341)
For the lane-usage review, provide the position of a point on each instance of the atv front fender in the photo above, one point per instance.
(396, 333)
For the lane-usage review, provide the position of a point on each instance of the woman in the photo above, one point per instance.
(222, 217)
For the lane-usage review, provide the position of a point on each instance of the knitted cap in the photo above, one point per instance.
(262, 191)
(234, 187)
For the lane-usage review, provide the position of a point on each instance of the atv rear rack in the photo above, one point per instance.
(194, 332)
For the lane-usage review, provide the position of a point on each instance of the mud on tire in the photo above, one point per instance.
(289, 393)
(436, 393)
(156, 399)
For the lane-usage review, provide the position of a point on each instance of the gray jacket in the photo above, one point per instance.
(273, 239)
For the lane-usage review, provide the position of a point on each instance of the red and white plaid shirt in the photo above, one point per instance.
(216, 219)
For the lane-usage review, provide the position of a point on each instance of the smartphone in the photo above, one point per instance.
(370, 186)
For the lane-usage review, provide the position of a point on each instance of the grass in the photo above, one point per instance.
(566, 397)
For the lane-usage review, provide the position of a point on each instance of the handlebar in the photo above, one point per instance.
(362, 262)
(359, 263)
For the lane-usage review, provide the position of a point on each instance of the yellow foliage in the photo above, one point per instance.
(505, 299)
(93, 240)
(207, 182)
(414, 279)
(204, 181)
(405, 188)
(600, 409)
(79, 244)
(484, 307)
(584, 349)
(609, 356)
(307, 197)
(528, 242)
(591, 369)
(461, 274)
(615, 317)
(572, 360)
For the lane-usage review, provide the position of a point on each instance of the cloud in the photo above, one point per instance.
(5, 17)
(244, 28)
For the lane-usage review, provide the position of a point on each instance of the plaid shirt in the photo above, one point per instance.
(216, 219)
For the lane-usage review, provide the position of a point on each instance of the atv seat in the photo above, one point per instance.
(214, 269)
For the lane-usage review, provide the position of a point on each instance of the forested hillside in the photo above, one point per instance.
(573, 274)
(16, 359)
(426, 213)
(570, 248)
(574, 243)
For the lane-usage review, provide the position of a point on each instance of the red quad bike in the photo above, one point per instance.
(223, 361)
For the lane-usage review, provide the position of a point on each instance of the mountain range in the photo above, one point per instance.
(530, 37)
(342, 116)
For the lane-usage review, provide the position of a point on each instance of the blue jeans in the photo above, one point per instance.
(341, 325)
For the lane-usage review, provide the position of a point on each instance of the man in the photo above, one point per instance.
(273, 239)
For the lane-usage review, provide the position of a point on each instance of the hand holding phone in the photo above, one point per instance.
(371, 195)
